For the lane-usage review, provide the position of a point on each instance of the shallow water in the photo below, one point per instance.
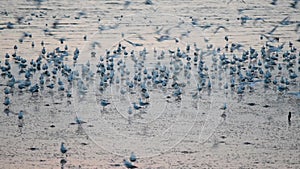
(169, 133)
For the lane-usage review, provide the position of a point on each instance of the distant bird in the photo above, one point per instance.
(127, 3)
(132, 157)
(273, 30)
(224, 106)
(50, 86)
(220, 27)
(129, 110)
(9, 25)
(226, 38)
(148, 2)
(129, 164)
(294, 4)
(104, 103)
(293, 75)
(63, 149)
(132, 43)
(69, 94)
(163, 38)
(223, 115)
(63, 162)
(6, 91)
(34, 89)
(136, 107)
(289, 116)
(62, 40)
(21, 115)
(79, 121)
(6, 101)
(143, 103)
(274, 2)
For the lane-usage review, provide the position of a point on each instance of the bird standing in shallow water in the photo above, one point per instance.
(224, 106)
(289, 117)
(143, 103)
(79, 121)
(21, 115)
(132, 157)
(104, 103)
(63, 149)
(135, 106)
(129, 164)
(6, 101)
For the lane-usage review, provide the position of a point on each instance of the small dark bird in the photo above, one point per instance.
(223, 115)
(149, 2)
(274, 2)
(289, 117)
(226, 38)
(63, 162)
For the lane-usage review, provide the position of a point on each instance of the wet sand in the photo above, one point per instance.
(190, 132)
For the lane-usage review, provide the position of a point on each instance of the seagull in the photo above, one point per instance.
(104, 103)
(132, 157)
(127, 3)
(148, 2)
(21, 115)
(226, 38)
(220, 27)
(63, 149)
(129, 164)
(7, 91)
(224, 107)
(223, 115)
(135, 106)
(143, 103)
(285, 21)
(79, 121)
(132, 43)
(6, 101)
(34, 89)
(274, 2)
(294, 4)
(63, 162)
(273, 30)
(129, 110)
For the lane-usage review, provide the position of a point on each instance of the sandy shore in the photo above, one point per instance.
(192, 130)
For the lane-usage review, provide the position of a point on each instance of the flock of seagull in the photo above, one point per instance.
(230, 68)
(276, 69)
